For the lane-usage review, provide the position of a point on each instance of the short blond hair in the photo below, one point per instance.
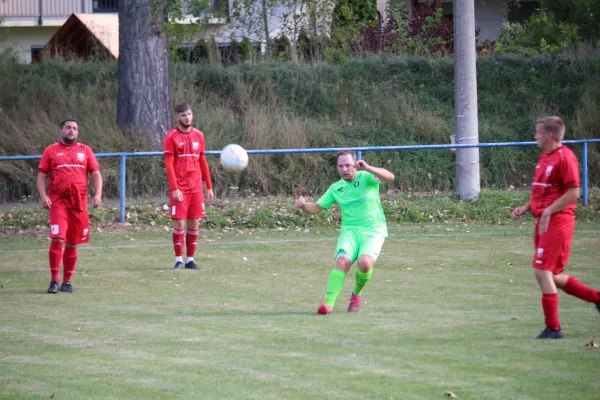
(345, 153)
(553, 125)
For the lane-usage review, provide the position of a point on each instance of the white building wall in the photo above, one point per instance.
(21, 39)
(489, 18)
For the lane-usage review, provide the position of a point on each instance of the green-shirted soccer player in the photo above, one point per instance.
(363, 224)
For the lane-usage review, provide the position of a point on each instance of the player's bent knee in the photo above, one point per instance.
(365, 263)
(58, 239)
(343, 262)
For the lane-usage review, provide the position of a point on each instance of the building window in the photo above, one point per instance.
(36, 54)
(106, 6)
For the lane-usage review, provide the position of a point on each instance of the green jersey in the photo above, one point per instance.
(359, 202)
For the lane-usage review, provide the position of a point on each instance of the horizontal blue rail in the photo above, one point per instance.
(359, 150)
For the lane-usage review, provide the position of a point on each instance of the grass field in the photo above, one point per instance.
(440, 314)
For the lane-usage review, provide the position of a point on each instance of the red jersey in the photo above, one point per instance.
(555, 173)
(68, 167)
(188, 150)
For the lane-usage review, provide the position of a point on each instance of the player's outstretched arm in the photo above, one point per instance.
(310, 208)
(383, 174)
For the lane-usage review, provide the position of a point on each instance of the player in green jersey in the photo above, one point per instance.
(363, 224)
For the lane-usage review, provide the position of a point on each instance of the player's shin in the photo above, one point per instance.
(69, 261)
(361, 281)
(191, 241)
(550, 306)
(581, 291)
(178, 244)
(54, 257)
(334, 286)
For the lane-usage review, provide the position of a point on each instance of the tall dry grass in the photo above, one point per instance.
(370, 102)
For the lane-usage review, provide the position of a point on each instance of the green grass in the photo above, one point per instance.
(437, 317)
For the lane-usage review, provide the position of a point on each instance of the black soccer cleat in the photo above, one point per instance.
(53, 288)
(66, 287)
(191, 265)
(178, 265)
(551, 334)
(598, 303)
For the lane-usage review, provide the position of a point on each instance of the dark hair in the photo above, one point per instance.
(62, 124)
(182, 107)
(345, 153)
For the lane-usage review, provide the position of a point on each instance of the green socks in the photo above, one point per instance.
(336, 282)
(334, 286)
(361, 280)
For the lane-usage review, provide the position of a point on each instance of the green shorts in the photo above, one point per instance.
(354, 244)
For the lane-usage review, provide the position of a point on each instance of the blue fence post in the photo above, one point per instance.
(584, 172)
(122, 188)
(359, 155)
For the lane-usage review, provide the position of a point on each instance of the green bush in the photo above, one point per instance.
(540, 34)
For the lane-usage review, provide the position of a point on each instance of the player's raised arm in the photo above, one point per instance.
(307, 207)
(383, 174)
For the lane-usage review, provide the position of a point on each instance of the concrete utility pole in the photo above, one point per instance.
(465, 99)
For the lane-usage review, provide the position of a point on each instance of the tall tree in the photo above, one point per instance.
(144, 98)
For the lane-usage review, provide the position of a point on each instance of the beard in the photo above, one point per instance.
(184, 125)
(67, 140)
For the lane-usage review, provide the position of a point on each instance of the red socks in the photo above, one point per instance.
(191, 241)
(178, 242)
(69, 261)
(550, 306)
(54, 256)
(581, 291)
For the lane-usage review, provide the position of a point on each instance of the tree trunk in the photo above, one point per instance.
(144, 99)
(265, 18)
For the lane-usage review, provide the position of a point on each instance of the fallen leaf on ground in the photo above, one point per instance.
(592, 344)
(450, 394)
(514, 318)
(78, 329)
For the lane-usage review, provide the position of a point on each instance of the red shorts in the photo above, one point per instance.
(553, 247)
(191, 207)
(72, 226)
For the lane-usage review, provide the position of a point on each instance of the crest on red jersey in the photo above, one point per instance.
(195, 145)
(81, 156)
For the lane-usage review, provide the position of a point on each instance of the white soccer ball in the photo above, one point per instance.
(234, 158)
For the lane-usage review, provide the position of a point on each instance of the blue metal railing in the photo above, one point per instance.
(359, 152)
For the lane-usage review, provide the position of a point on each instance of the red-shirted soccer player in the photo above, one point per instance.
(186, 168)
(67, 163)
(554, 193)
